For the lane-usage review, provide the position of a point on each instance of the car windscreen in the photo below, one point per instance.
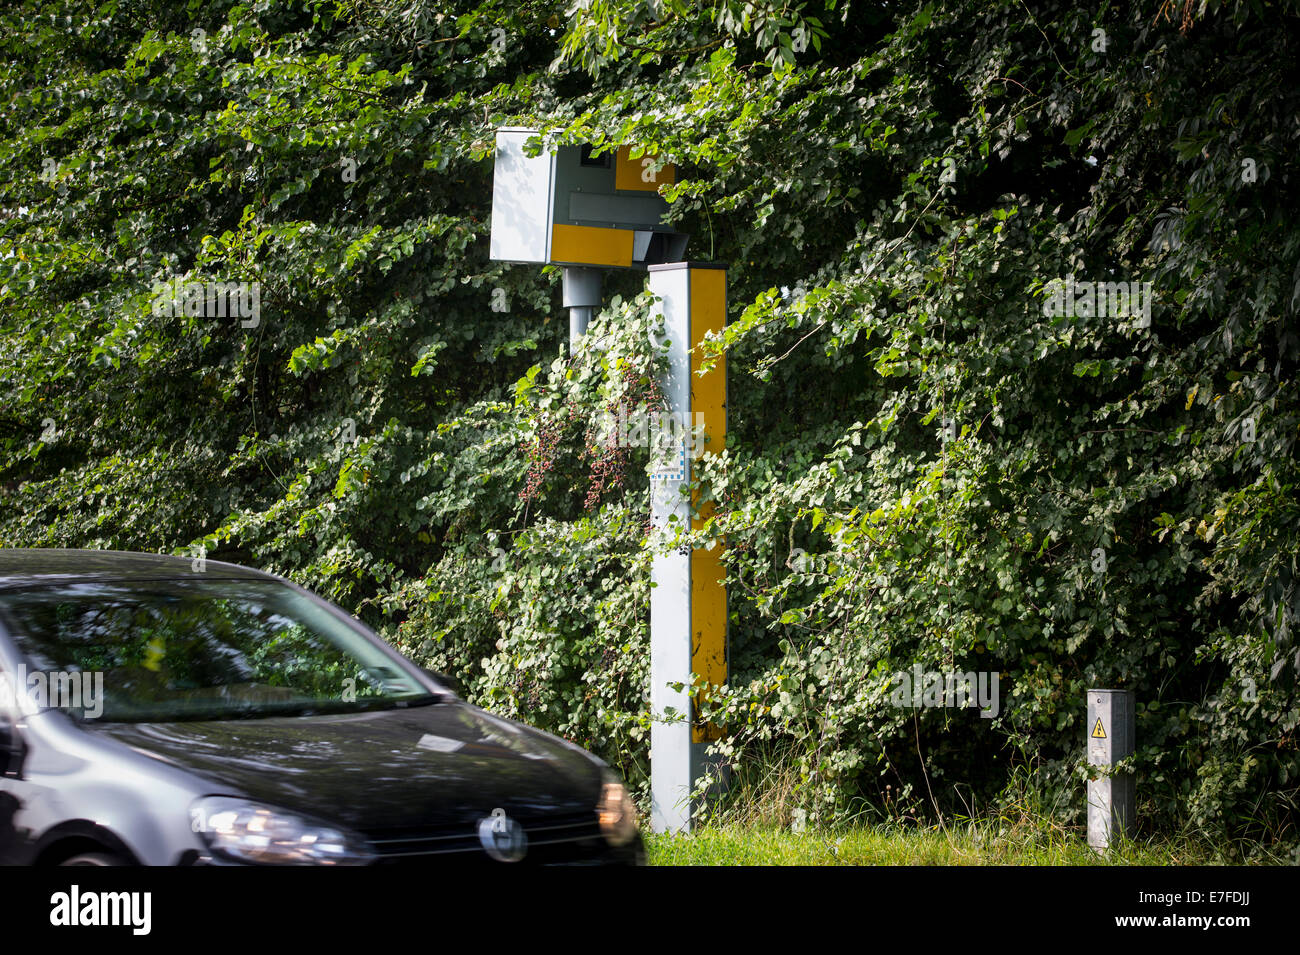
(209, 649)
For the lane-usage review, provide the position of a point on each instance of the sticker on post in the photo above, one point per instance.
(674, 468)
(1098, 732)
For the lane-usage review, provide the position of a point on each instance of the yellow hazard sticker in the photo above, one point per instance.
(1098, 732)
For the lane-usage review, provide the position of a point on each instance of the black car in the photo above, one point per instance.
(161, 711)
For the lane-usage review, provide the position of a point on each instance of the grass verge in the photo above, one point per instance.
(971, 844)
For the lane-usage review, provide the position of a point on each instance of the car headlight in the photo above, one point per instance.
(250, 832)
(616, 811)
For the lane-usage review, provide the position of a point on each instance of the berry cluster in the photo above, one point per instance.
(542, 449)
(607, 464)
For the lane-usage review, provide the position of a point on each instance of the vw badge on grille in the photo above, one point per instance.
(502, 837)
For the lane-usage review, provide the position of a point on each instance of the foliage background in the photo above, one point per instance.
(892, 185)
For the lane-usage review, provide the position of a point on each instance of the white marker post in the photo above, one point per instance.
(1111, 798)
(688, 603)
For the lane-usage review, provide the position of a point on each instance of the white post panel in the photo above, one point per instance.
(688, 617)
(522, 192)
(670, 579)
(1111, 737)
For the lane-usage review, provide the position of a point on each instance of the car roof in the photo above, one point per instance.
(22, 567)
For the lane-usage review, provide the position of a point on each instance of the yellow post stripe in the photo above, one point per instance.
(708, 309)
(590, 245)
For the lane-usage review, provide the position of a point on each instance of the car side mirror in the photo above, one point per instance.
(450, 682)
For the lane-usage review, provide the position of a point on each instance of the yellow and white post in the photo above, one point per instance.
(688, 602)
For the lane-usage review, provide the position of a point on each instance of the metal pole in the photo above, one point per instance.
(579, 319)
(1111, 798)
(581, 289)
